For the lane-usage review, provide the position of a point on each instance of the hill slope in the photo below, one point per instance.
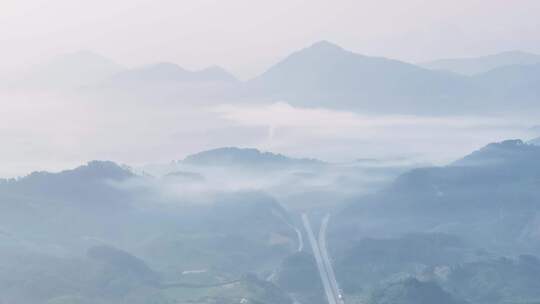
(447, 226)
(478, 198)
(326, 75)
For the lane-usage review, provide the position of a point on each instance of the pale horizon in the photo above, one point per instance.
(203, 33)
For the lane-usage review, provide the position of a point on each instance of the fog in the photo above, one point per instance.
(52, 130)
(52, 120)
(283, 152)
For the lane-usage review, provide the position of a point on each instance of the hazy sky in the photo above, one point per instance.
(46, 129)
(246, 36)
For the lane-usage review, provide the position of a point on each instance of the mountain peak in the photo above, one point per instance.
(234, 156)
(93, 170)
(164, 66)
(323, 48)
(218, 73)
(325, 45)
(508, 151)
(327, 75)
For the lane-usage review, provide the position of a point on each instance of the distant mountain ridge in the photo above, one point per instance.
(245, 157)
(511, 83)
(321, 75)
(93, 170)
(500, 178)
(170, 73)
(81, 184)
(479, 217)
(506, 152)
(89, 69)
(477, 65)
(325, 74)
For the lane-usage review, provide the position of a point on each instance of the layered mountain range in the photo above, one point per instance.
(326, 75)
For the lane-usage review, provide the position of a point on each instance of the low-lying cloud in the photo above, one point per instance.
(57, 130)
(341, 135)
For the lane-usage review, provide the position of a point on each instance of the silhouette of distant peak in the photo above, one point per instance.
(233, 156)
(218, 73)
(167, 71)
(325, 45)
(214, 68)
(164, 66)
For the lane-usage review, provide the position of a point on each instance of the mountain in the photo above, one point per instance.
(215, 73)
(86, 192)
(136, 246)
(56, 213)
(509, 152)
(82, 183)
(166, 72)
(477, 65)
(519, 85)
(389, 256)
(467, 198)
(327, 75)
(246, 158)
(123, 263)
(501, 280)
(444, 226)
(321, 75)
(71, 70)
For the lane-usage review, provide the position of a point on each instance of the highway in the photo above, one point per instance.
(327, 262)
(318, 259)
(322, 259)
